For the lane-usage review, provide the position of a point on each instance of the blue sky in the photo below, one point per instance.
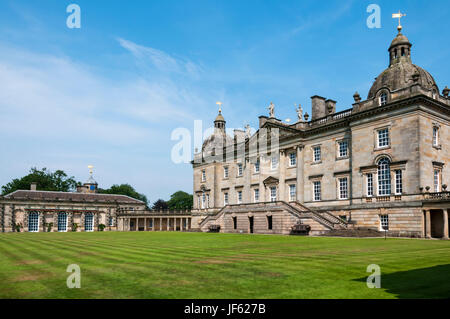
(110, 94)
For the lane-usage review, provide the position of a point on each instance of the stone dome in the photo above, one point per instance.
(401, 73)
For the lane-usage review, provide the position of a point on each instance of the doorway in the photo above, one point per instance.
(250, 220)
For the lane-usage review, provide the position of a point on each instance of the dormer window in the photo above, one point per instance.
(383, 99)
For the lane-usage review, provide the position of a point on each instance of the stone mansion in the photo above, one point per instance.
(381, 164)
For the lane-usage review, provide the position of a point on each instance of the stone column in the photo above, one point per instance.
(262, 190)
(445, 214)
(160, 224)
(300, 177)
(167, 224)
(181, 224)
(145, 225)
(282, 170)
(247, 191)
(428, 224)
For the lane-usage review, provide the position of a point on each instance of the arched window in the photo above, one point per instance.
(383, 98)
(384, 177)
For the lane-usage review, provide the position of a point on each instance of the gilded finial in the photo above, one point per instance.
(398, 16)
(220, 106)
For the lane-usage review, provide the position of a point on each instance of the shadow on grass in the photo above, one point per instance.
(432, 282)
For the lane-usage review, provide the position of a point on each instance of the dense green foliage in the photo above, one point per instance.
(45, 179)
(180, 200)
(202, 265)
(124, 189)
(160, 204)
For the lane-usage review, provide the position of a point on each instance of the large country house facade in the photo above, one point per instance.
(382, 164)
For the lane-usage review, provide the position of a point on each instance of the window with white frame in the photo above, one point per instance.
(369, 184)
(274, 162)
(292, 159)
(111, 221)
(398, 182)
(384, 222)
(343, 188)
(240, 169)
(292, 192)
(33, 222)
(225, 199)
(383, 137)
(203, 175)
(435, 136)
(343, 149)
(256, 194)
(89, 222)
(436, 181)
(384, 177)
(383, 98)
(225, 172)
(203, 201)
(317, 156)
(257, 166)
(62, 222)
(273, 194)
(207, 200)
(317, 195)
(239, 197)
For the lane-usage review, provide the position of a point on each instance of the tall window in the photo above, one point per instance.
(398, 182)
(240, 169)
(225, 172)
(343, 149)
(370, 184)
(343, 188)
(256, 193)
(203, 201)
(269, 222)
(383, 98)
(383, 138)
(384, 177)
(239, 197)
(273, 194)
(111, 221)
(274, 162)
(257, 166)
(317, 191)
(292, 159)
(436, 179)
(292, 192)
(62, 222)
(33, 222)
(384, 222)
(317, 154)
(199, 205)
(203, 175)
(207, 200)
(435, 136)
(89, 222)
(225, 199)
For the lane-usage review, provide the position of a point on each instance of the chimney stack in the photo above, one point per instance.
(318, 108)
(33, 186)
(331, 106)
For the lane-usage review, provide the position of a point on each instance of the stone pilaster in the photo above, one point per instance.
(300, 176)
(282, 170)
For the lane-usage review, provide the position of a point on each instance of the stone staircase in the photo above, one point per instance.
(326, 219)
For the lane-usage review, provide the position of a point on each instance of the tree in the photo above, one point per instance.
(160, 204)
(45, 179)
(124, 189)
(180, 200)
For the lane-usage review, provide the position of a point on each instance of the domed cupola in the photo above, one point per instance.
(214, 144)
(401, 73)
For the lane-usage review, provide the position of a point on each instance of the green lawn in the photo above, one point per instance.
(200, 265)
